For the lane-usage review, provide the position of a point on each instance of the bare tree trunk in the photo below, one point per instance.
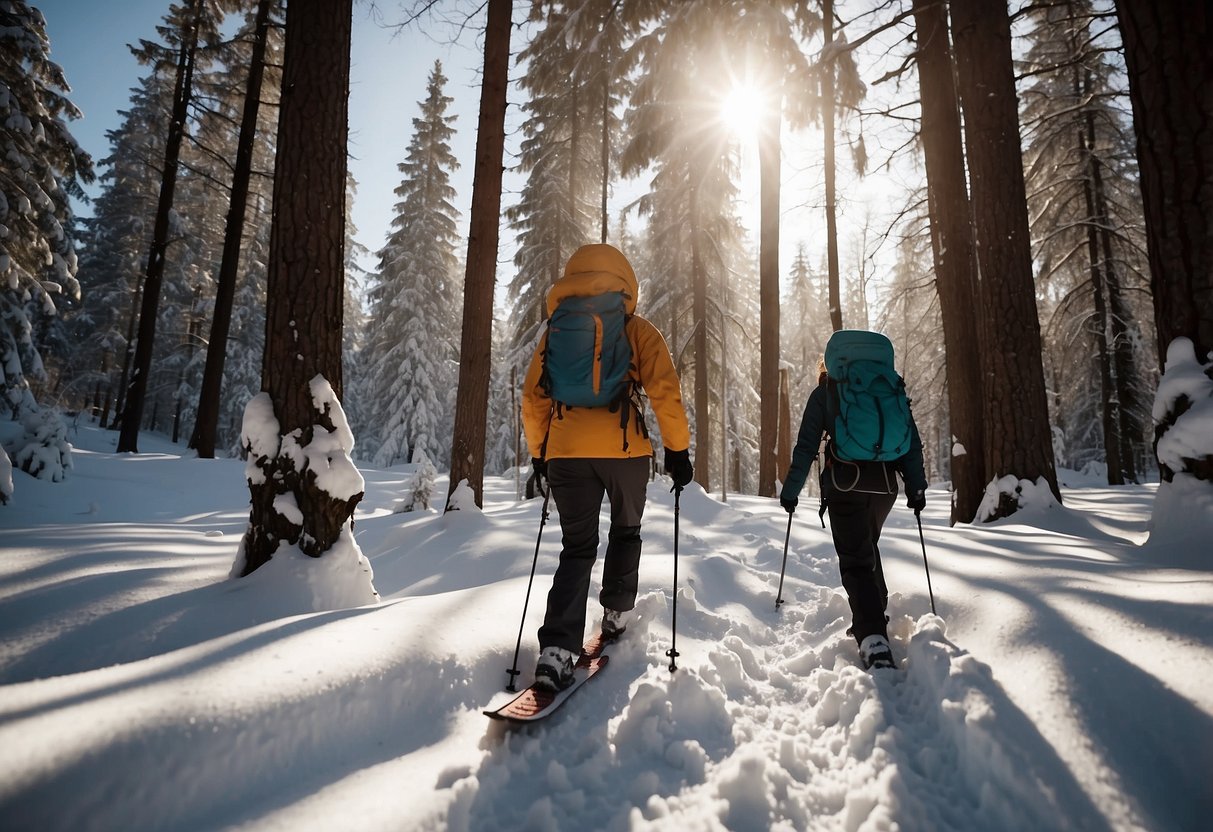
(768, 275)
(955, 266)
(1170, 69)
(191, 341)
(128, 357)
(471, 403)
(1018, 439)
(128, 437)
(783, 451)
(206, 426)
(828, 105)
(1109, 412)
(1122, 353)
(305, 284)
(606, 141)
(699, 325)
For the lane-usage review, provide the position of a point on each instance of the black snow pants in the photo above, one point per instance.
(578, 486)
(856, 519)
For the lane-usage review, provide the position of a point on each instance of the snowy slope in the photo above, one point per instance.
(1066, 684)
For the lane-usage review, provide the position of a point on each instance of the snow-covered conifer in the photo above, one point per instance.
(411, 345)
(43, 166)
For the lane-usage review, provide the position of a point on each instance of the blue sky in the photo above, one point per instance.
(388, 76)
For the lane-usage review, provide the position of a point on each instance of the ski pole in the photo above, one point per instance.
(672, 652)
(922, 540)
(782, 569)
(543, 519)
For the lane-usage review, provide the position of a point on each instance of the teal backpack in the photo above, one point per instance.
(586, 360)
(867, 404)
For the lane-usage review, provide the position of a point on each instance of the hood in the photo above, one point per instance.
(593, 270)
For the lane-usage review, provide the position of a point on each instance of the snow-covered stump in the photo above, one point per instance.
(304, 488)
(1183, 414)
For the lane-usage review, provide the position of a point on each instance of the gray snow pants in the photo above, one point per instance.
(578, 486)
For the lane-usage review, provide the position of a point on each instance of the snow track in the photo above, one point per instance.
(770, 724)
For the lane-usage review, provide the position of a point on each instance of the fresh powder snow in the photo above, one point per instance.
(1066, 682)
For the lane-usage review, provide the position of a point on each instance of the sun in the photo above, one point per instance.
(742, 110)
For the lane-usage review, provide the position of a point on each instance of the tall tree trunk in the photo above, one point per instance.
(1109, 411)
(128, 437)
(475, 353)
(768, 275)
(1018, 438)
(1122, 356)
(574, 172)
(827, 129)
(699, 325)
(1099, 265)
(783, 445)
(1170, 70)
(191, 341)
(207, 424)
(128, 356)
(955, 266)
(606, 139)
(305, 293)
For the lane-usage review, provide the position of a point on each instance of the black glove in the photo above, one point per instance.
(538, 481)
(916, 500)
(789, 504)
(678, 466)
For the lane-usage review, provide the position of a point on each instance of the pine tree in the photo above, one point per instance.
(209, 395)
(117, 235)
(303, 484)
(411, 356)
(187, 29)
(1018, 442)
(952, 251)
(1170, 71)
(43, 167)
(1087, 237)
(805, 327)
(475, 347)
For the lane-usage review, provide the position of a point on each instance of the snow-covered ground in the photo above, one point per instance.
(1067, 682)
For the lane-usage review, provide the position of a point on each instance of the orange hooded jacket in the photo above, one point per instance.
(596, 432)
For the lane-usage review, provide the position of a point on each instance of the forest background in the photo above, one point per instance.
(674, 185)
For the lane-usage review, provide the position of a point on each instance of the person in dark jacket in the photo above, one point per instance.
(858, 497)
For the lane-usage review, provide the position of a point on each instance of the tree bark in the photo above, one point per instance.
(783, 448)
(471, 402)
(768, 276)
(605, 147)
(207, 423)
(128, 436)
(827, 129)
(1170, 70)
(1018, 438)
(955, 267)
(699, 324)
(305, 280)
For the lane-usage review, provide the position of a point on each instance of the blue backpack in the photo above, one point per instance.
(870, 412)
(586, 360)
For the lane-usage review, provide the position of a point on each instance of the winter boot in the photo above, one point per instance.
(555, 668)
(614, 623)
(876, 653)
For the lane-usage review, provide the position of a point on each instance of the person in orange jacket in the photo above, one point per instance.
(584, 453)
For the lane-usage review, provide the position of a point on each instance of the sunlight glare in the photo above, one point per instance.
(742, 109)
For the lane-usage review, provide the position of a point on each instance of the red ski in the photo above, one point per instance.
(534, 704)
